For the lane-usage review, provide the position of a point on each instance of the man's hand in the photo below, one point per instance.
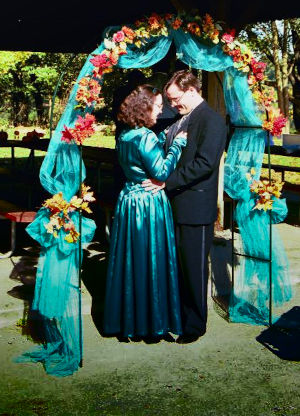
(153, 185)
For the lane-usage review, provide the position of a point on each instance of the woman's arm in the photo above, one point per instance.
(153, 156)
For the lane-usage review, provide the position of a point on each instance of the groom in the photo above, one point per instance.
(193, 190)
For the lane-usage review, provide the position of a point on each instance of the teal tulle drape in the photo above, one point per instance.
(249, 302)
(57, 294)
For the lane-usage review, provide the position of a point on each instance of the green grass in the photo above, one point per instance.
(97, 140)
(291, 178)
(100, 140)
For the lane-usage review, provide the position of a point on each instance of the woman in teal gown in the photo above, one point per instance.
(142, 297)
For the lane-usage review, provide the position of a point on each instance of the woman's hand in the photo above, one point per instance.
(181, 138)
(182, 134)
(153, 185)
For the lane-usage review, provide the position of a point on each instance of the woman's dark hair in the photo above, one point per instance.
(184, 79)
(135, 110)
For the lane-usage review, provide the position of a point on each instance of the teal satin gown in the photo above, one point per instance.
(142, 295)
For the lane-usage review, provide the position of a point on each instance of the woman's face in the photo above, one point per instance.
(157, 107)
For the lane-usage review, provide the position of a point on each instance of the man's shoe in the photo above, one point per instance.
(189, 338)
(168, 338)
(121, 338)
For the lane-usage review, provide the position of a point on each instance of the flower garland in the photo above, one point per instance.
(264, 190)
(115, 45)
(84, 128)
(88, 93)
(156, 25)
(60, 211)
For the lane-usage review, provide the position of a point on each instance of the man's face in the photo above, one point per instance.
(181, 100)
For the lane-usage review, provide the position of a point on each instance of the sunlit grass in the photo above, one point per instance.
(101, 140)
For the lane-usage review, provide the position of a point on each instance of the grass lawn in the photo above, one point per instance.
(100, 140)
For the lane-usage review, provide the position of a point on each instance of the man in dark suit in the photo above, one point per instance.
(193, 191)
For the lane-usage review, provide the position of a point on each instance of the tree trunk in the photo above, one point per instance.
(295, 79)
(296, 101)
(285, 78)
(276, 48)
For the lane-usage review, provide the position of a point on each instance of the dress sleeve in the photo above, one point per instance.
(157, 164)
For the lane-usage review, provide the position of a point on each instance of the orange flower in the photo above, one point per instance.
(177, 23)
(194, 28)
(129, 33)
(60, 209)
(264, 190)
(114, 57)
(208, 19)
(154, 22)
(168, 16)
(139, 23)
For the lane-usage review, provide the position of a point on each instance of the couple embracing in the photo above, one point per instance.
(164, 218)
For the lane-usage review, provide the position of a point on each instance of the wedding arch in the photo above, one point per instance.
(60, 227)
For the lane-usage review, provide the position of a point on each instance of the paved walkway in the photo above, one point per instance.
(231, 371)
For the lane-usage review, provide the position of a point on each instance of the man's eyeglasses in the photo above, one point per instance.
(175, 100)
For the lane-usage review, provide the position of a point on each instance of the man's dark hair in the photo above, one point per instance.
(184, 79)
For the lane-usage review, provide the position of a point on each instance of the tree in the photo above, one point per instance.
(278, 44)
(28, 80)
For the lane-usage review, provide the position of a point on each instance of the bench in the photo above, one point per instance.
(15, 215)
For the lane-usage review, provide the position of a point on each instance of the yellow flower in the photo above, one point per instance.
(123, 46)
(69, 238)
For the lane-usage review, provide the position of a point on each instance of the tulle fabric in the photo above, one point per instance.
(57, 298)
(60, 173)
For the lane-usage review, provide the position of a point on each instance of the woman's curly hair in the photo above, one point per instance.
(135, 110)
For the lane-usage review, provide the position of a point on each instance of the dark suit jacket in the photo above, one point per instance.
(193, 186)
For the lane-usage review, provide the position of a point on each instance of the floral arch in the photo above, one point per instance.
(59, 226)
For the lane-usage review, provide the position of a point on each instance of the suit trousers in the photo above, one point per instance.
(193, 245)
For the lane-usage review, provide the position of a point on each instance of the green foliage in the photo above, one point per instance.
(111, 82)
(28, 81)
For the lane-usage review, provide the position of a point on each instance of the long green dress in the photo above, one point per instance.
(142, 290)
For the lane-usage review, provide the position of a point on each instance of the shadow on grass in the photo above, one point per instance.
(283, 338)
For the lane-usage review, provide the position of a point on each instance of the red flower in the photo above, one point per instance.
(83, 129)
(258, 69)
(154, 22)
(99, 60)
(168, 16)
(227, 38)
(118, 36)
(259, 76)
(278, 124)
(85, 123)
(177, 23)
(67, 134)
(236, 54)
